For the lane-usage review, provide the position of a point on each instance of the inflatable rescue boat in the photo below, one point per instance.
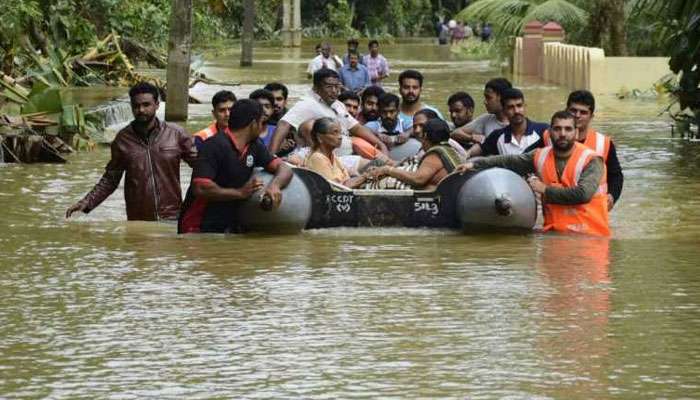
(493, 199)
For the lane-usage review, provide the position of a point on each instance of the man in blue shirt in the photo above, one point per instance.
(353, 44)
(389, 128)
(354, 75)
(266, 101)
(410, 88)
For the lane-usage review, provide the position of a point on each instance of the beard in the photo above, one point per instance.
(459, 123)
(563, 144)
(143, 119)
(370, 116)
(389, 124)
(410, 100)
(274, 119)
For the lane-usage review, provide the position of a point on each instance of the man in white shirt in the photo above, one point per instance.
(481, 127)
(323, 102)
(324, 60)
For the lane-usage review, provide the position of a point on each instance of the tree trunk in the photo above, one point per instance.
(618, 34)
(178, 72)
(607, 27)
(247, 39)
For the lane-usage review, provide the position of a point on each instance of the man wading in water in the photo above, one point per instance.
(570, 178)
(149, 151)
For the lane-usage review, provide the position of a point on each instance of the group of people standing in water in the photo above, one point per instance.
(348, 138)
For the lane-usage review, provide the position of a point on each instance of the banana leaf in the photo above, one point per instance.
(13, 93)
(43, 98)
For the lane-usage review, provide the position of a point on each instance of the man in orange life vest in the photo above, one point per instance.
(570, 177)
(221, 109)
(581, 104)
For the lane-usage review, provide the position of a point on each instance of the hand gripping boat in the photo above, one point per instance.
(493, 199)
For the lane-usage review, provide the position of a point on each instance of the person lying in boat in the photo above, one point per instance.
(326, 136)
(439, 160)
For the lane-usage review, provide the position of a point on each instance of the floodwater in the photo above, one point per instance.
(96, 307)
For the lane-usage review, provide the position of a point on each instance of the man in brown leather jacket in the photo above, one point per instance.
(149, 151)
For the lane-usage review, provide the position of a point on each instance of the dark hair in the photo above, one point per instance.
(349, 95)
(581, 97)
(353, 41)
(244, 112)
(437, 130)
(498, 85)
(353, 53)
(371, 42)
(322, 74)
(144, 87)
(262, 94)
(222, 96)
(411, 74)
(429, 114)
(375, 91)
(321, 126)
(388, 99)
(318, 46)
(462, 97)
(563, 114)
(275, 86)
(511, 94)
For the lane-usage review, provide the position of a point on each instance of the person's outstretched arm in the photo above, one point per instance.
(108, 183)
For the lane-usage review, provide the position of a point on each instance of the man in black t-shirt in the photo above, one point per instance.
(221, 178)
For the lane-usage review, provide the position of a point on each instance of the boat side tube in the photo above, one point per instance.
(496, 199)
(291, 216)
(405, 150)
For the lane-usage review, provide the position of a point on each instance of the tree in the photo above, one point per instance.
(178, 71)
(247, 39)
(17, 17)
(607, 26)
(681, 21)
(509, 16)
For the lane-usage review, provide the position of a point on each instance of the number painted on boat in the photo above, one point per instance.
(341, 202)
(429, 206)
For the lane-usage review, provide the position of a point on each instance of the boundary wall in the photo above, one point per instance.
(540, 53)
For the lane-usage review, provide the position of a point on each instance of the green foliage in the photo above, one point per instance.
(340, 16)
(681, 19)
(230, 15)
(509, 16)
(16, 16)
(474, 49)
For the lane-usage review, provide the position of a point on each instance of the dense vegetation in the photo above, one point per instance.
(634, 27)
(76, 24)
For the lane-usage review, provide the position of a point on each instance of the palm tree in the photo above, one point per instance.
(509, 16)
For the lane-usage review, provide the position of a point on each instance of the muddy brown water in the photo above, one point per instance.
(96, 307)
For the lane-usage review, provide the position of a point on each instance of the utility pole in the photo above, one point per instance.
(291, 23)
(247, 39)
(178, 71)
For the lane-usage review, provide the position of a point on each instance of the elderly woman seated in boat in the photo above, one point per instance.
(438, 161)
(326, 137)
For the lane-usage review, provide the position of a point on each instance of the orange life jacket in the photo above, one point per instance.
(595, 141)
(207, 132)
(590, 218)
